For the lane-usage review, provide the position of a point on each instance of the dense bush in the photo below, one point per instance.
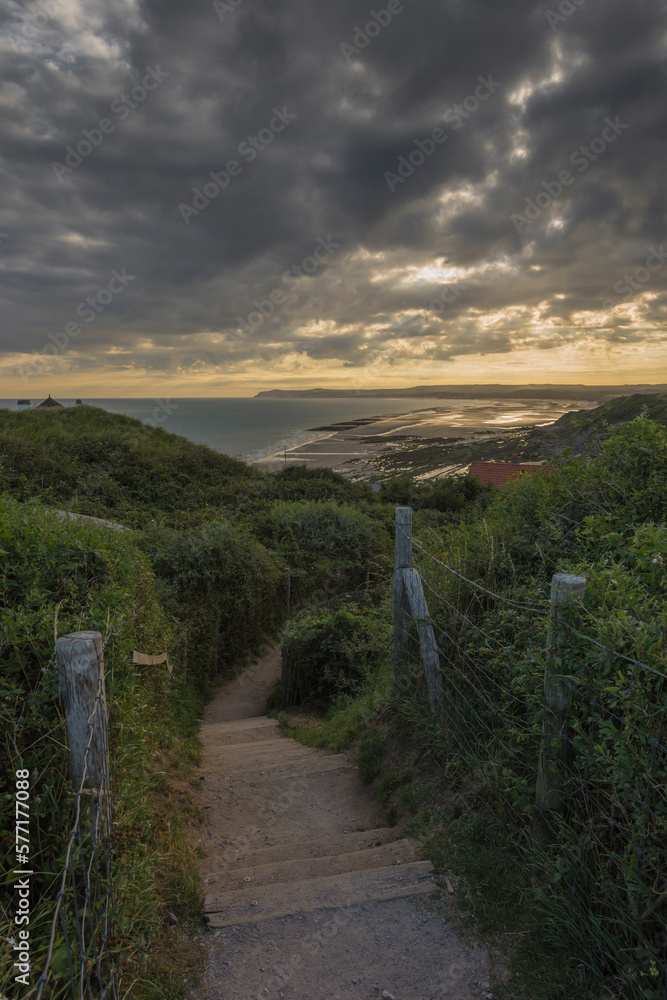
(224, 589)
(329, 653)
(300, 483)
(447, 496)
(330, 547)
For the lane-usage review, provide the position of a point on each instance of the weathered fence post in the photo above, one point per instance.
(428, 649)
(409, 602)
(81, 685)
(402, 561)
(289, 590)
(403, 544)
(549, 798)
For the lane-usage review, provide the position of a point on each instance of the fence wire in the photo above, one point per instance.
(600, 850)
(80, 941)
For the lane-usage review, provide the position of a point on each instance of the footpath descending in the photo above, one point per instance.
(310, 896)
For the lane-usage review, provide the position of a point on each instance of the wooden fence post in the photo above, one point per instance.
(409, 603)
(403, 544)
(289, 590)
(401, 614)
(80, 680)
(416, 600)
(549, 797)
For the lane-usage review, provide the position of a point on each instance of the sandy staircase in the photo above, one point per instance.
(290, 831)
(309, 896)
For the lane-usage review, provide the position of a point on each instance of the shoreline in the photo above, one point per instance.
(368, 446)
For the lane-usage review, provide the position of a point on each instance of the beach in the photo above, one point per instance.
(358, 448)
(358, 437)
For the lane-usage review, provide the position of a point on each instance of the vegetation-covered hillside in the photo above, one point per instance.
(107, 465)
(573, 428)
(204, 574)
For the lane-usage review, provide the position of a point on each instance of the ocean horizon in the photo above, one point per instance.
(252, 428)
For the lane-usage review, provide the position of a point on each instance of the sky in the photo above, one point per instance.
(214, 198)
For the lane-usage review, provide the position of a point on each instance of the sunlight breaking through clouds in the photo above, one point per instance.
(381, 299)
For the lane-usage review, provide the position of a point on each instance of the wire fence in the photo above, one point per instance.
(567, 732)
(68, 949)
(82, 925)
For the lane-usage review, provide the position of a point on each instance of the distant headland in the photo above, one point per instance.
(479, 391)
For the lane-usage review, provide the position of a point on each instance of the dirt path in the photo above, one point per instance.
(310, 896)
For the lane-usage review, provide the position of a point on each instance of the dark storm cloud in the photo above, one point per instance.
(221, 76)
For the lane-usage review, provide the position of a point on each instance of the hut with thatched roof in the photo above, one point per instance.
(49, 402)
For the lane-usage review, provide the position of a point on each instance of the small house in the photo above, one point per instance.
(498, 473)
(49, 402)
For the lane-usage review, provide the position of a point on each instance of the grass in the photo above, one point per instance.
(497, 902)
(337, 729)
(156, 869)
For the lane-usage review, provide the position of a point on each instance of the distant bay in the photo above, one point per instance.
(260, 428)
(249, 427)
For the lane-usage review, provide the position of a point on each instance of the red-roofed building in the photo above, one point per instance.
(498, 473)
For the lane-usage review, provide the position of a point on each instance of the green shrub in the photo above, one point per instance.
(370, 755)
(222, 587)
(447, 496)
(331, 547)
(298, 483)
(328, 653)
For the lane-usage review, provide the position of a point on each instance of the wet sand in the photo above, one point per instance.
(352, 449)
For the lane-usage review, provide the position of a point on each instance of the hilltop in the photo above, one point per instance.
(575, 428)
(108, 465)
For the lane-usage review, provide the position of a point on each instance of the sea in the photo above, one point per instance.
(252, 428)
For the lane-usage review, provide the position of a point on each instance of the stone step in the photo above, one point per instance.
(257, 755)
(400, 852)
(236, 739)
(267, 748)
(214, 735)
(239, 725)
(318, 803)
(281, 772)
(248, 906)
(345, 843)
